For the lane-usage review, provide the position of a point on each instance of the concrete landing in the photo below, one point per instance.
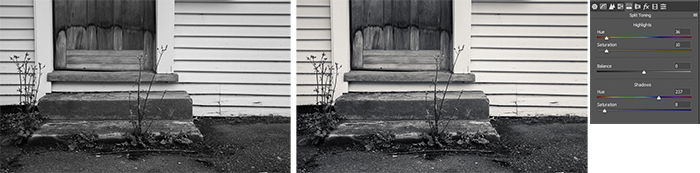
(469, 105)
(109, 130)
(405, 130)
(170, 105)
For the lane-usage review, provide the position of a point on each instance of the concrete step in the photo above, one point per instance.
(353, 131)
(471, 105)
(170, 105)
(109, 131)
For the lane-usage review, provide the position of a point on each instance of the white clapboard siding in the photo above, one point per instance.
(233, 56)
(313, 38)
(16, 38)
(530, 57)
(495, 110)
(238, 111)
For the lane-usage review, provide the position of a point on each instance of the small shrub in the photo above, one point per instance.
(319, 123)
(17, 127)
(29, 80)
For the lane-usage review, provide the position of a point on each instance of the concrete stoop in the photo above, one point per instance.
(403, 115)
(109, 114)
(406, 131)
(110, 131)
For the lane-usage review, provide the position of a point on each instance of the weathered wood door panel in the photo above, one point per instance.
(104, 35)
(405, 35)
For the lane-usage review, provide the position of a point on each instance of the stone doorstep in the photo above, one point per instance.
(164, 105)
(405, 131)
(109, 131)
(467, 105)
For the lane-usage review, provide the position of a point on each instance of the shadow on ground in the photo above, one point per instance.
(543, 144)
(233, 145)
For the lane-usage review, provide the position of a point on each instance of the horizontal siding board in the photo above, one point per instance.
(16, 11)
(280, 67)
(306, 89)
(301, 79)
(16, 34)
(215, 100)
(546, 78)
(17, 45)
(8, 67)
(249, 31)
(306, 100)
(5, 55)
(218, 54)
(15, 23)
(17, 2)
(530, 31)
(515, 66)
(239, 111)
(9, 89)
(9, 78)
(521, 54)
(234, 78)
(302, 54)
(537, 111)
(544, 101)
(252, 20)
(314, 45)
(537, 20)
(314, 11)
(530, 8)
(537, 43)
(242, 43)
(313, 34)
(264, 8)
(313, 23)
(314, 2)
(9, 100)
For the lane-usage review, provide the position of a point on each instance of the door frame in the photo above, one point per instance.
(340, 36)
(43, 37)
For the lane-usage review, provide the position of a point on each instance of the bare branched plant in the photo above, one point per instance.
(326, 75)
(29, 74)
(318, 124)
(141, 127)
(438, 96)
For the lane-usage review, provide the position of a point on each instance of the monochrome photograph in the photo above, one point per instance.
(441, 86)
(145, 85)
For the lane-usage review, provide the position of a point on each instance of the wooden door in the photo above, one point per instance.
(401, 35)
(104, 35)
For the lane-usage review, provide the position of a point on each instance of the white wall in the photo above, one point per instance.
(529, 57)
(313, 38)
(233, 56)
(16, 38)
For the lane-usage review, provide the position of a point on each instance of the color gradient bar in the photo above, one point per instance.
(602, 37)
(643, 97)
(653, 109)
(646, 50)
